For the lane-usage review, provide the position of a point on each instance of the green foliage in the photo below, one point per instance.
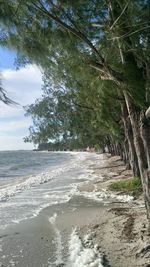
(130, 186)
(89, 51)
(73, 113)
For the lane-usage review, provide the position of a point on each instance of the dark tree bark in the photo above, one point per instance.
(133, 161)
(140, 151)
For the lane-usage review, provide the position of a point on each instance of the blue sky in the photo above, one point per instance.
(7, 58)
(23, 86)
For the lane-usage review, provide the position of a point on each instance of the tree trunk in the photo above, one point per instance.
(133, 161)
(142, 157)
(126, 158)
(145, 135)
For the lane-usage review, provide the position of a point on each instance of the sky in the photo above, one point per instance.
(23, 86)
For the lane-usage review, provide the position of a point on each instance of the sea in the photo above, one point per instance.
(32, 182)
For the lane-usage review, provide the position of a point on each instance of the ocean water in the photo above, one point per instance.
(14, 164)
(31, 181)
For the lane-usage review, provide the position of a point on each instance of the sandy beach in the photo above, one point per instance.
(121, 230)
(87, 233)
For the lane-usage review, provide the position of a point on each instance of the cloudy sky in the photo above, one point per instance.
(23, 86)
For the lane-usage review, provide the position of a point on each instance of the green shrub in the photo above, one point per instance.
(131, 186)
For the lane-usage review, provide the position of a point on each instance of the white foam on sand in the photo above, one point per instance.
(104, 195)
(57, 241)
(82, 255)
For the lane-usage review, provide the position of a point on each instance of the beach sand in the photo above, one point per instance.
(121, 232)
(118, 230)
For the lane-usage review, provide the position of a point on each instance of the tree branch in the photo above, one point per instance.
(82, 106)
(67, 27)
(119, 16)
(107, 73)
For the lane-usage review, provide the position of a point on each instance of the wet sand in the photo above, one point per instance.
(33, 242)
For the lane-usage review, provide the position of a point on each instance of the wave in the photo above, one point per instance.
(12, 189)
(33, 180)
(24, 165)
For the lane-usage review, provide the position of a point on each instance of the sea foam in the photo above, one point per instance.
(103, 195)
(81, 255)
(57, 241)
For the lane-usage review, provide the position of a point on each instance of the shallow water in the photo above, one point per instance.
(39, 212)
(19, 164)
(24, 195)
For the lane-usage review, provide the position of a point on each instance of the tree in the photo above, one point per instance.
(108, 39)
(3, 97)
(81, 112)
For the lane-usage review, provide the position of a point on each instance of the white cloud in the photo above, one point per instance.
(10, 111)
(14, 143)
(14, 125)
(23, 86)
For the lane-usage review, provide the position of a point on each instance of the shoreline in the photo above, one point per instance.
(121, 233)
(114, 228)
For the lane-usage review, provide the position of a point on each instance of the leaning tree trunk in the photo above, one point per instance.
(133, 161)
(132, 152)
(141, 155)
(145, 121)
(145, 135)
(126, 154)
